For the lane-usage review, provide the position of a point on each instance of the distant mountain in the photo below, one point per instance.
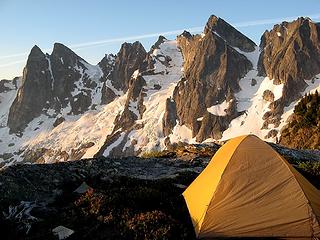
(197, 88)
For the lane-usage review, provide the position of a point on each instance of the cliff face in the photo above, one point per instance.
(290, 54)
(231, 35)
(212, 70)
(128, 60)
(35, 92)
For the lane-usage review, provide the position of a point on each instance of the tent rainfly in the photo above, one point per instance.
(249, 190)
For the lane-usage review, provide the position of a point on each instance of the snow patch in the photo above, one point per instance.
(135, 74)
(200, 119)
(133, 107)
(50, 70)
(6, 100)
(220, 109)
(181, 133)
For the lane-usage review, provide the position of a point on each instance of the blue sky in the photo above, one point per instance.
(26, 23)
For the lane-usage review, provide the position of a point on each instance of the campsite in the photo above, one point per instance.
(159, 120)
(167, 198)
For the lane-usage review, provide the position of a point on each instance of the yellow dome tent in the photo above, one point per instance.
(249, 190)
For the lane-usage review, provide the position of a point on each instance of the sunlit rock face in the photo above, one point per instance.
(212, 70)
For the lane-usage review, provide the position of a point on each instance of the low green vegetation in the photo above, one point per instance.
(308, 110)
(311, 167)
(303, 130)
(153, 154)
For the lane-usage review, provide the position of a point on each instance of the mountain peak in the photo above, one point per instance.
(231, 35)
(59, 46)
(132, 46)
(35, 51)
(213, 20)
(59, 50)
(156, 45)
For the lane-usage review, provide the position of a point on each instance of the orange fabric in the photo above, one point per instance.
(199, 194)
(249, 190)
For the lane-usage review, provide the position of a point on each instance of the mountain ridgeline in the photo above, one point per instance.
(204, 87)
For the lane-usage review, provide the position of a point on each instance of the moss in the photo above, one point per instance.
(311, 167)
(154, 154)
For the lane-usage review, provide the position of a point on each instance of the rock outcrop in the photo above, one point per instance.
(130, 58)
(35, 92)
(107, 66)
(54, 82)
(170, 117)
(290, 54)
(133, 108)
(231, 35)
(8, 85)
(212, 69)
(119, 69)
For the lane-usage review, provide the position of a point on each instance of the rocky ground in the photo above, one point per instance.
(104, 198)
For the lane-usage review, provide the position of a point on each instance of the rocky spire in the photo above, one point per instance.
(290, 54)
(130, 58)
(34, 93)
(231, 35)
(65, 65)
(212, 69)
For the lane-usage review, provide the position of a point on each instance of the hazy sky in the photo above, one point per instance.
(93, 28)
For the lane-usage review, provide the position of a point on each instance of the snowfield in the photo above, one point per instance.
(87, 132)
(92, 127)
(250, 99)
(151, 137)
(219, 109)
(73, 133)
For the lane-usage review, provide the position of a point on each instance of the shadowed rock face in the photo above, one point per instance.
(212, 72)
(34, 93)
(4, 88)
(170, 117)
(133, 108)
(232, 36)
(48, 82)
(290, 54)
(63, 64)
(119, 69)
(130, 58)
(107, 66)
